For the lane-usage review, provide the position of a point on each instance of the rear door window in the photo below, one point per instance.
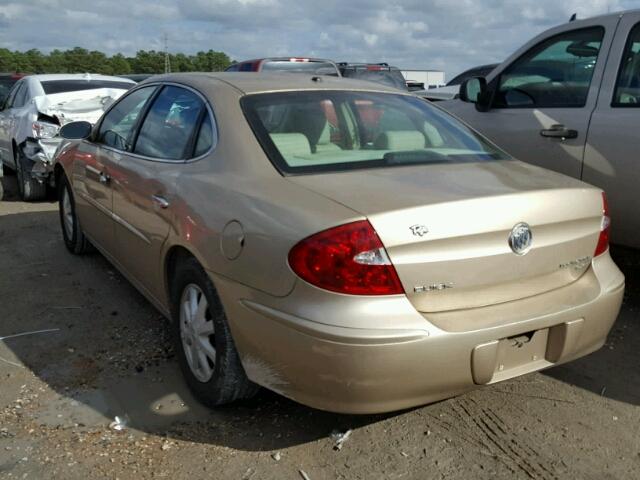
(118, 125)
(627, 93)
(21, 95)
(206, 137)
(554, 73)
(169, 128)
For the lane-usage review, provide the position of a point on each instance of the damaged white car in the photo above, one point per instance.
(34, 111)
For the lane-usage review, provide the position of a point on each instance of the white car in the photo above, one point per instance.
(35, 109)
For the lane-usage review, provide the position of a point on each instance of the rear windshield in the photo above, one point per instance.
(51, 87)
(327, 131)
(385, 76)
(320, 68)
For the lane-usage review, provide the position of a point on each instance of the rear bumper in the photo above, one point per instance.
(363, 355)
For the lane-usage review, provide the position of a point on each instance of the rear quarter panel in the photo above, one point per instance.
(237, 183)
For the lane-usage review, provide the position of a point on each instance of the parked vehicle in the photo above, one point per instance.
(340, 242)
(452, 89)
(569, 100)
(36, 108)
(374, 72)
(414, 86)
(318, 66)
(7, 81)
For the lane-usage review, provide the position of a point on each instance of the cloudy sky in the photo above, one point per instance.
(448, 35)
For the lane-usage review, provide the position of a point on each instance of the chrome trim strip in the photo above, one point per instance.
(131, 228)
(116, 218)
(94, 203)
(92, 169)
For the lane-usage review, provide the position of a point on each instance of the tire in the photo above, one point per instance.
(72, 234)
(29, 188)
(222, 380)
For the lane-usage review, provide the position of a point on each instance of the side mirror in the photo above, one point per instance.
(474, 90)
(76, 130)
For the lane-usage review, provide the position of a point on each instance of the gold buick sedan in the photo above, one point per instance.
(345, 244)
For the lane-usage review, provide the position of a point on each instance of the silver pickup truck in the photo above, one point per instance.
(569, 100)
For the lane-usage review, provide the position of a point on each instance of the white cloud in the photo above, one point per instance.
(436, 34)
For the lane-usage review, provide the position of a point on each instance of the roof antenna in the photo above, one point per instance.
(573, 17)
(167, 61)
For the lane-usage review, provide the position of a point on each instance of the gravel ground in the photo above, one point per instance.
(107, 354)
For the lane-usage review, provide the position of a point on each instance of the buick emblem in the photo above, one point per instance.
(419, 230)
(520, 239)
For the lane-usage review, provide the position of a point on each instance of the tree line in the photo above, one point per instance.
(80, 60)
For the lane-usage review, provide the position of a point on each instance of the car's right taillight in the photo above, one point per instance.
(347, 259)
(605, 228)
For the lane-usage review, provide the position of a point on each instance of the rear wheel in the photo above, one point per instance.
(29, 188)
(206, 352)
(72, 234)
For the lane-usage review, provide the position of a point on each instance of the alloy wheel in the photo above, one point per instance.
(196, 332)
(67, 213)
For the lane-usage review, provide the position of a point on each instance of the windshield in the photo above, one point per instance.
(308, 132)
(51, 87)
(309, 67)
(385, 76)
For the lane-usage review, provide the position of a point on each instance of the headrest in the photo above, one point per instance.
(400, 140)
(291, 144)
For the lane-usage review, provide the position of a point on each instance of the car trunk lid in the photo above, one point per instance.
(446, 227)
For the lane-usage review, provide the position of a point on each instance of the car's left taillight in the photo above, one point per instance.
(347, 259)
(605, 228)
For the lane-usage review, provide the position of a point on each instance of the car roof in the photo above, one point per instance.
(273, 82)
(77, 76)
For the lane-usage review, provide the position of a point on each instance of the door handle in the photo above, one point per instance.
(102, 177)
(559, 131)
(160, 201)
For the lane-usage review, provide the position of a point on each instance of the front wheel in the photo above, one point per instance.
(206, 352)
(72, 234)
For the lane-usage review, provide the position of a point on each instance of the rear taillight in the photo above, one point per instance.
(605, 227)
(346, 259)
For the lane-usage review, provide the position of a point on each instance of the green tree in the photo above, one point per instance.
(119, 64)
(6, 60)
(81, 60)
(211, 61)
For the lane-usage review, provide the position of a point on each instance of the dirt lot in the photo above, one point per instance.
(107, 354)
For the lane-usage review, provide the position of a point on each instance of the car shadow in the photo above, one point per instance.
(89, 336)
(85, 332)
(612, 371)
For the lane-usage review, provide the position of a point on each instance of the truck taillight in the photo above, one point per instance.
(605, 228)
(347, 259)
